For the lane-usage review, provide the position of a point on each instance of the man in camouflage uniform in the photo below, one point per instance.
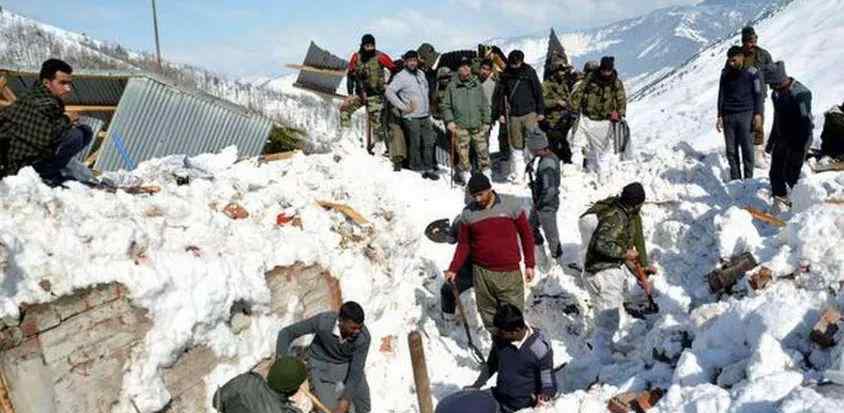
(602, 103)
(465, 111)
(250, 393)
(37, 131)
(612, 229)
(365, 84)
(558, 116)
(757, 58)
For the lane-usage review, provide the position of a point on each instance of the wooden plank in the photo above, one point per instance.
(281, 156)
(5, 401)
(346, 210)
(765, 217)
(329, 72)
(833, 167)
(321, 93)
(89, 108)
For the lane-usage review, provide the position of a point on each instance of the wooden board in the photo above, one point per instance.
(345, 210)
(89, 108)
(834, 167)
(330, 72)
(765, 217)
(277, 156)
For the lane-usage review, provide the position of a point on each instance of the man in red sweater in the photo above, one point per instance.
(491, 230)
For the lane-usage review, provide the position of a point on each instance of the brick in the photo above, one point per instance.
(39, 318)
(69, 306)
(760, 279)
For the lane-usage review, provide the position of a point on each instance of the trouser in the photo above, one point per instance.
(477, 139)
(519, 127)
(607, 290)
(71, 143)
(738, 137)
(786, 163)
(503, 142)
(598, 140)
(492, 288)
(420, 143)
(464, 281)
(398, 143)
(469, 401)
(559, 143)
(327, 381)
(374, 107)
(547, 220)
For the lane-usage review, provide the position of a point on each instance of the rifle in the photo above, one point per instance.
(368, 123)
(453, 161)
(642, 279)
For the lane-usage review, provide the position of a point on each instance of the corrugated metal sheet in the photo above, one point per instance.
(96, 126)
(96, 88)
(154, 120)
(321, 59)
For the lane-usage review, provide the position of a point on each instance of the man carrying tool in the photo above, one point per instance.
(336, 356)
(544, 178)
(523, 360)
(250, 393)
(38, 132)
(365, 83)
(492, 227)
(616, 248)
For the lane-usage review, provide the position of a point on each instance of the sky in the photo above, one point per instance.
(247, 38)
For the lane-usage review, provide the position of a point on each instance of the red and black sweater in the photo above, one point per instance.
(491, 236)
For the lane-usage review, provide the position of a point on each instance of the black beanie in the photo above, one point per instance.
(478, 183)
(633, 194)
(607, 63)
(515, 56)
(367, 39)
(410, 54)
(747, 33)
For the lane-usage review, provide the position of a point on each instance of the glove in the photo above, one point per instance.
(615, 117)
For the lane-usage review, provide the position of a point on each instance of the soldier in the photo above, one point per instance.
(249, 392)
(466, 114)
(791, 134)
(366, 83)
(336, 356)
(740, 104)
(601, 102)
(518, 96)
(613, 229)
(757, 58)
(409, 93)
(545, 191)
(558, 116)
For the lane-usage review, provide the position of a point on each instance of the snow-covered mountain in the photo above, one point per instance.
(653, 44)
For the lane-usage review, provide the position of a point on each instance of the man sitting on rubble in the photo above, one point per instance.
(250, 393)
(38, 132)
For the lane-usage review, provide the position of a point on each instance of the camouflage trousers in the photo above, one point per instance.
(476, 138)
(375, 108)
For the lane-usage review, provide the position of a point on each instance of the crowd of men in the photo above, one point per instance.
(541, 124)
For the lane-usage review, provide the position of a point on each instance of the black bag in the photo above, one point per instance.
(832, 137)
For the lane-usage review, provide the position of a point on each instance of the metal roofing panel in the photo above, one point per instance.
(96, 126)
(321, 59)
(155, 120)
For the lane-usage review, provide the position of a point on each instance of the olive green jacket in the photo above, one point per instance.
(597, 98)
(619, 229)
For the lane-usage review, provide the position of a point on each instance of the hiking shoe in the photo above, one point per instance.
(396, 166)
(431, 175)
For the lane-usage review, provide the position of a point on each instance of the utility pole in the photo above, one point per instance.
(157, 45)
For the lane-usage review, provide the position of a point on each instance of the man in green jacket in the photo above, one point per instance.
(465, 111)
(36, 130)
(558, 115)
(250, 393)
(613, 229)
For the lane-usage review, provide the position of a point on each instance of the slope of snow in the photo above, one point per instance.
(682, 106)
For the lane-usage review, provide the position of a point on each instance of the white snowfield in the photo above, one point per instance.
(749, 352)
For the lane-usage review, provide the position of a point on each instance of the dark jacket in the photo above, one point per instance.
(522, 371)
(545, 185)
(619, 229)
(758, 58)
(491, 236)
(249, 393)
(793, 121)
(740, 91)
(327, 347)
(522, 89)
(31, 127)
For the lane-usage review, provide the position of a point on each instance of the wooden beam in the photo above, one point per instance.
(329, 72)
(323, 94)
(89, 108)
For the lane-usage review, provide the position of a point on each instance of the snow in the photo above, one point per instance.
(747, 352)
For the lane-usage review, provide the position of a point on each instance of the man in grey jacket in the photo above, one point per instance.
(545, 191)
(336, 357)
(409, 92)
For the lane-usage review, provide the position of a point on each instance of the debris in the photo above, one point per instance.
(831, 167)
(765, 217)
(346, 210)
(153, 212)
(235, 211)
(182, 180)
(277, 156)
(283, 219)
(728, 273)
(761, 278)
(387, 344)
(824, 331)
(635, 402)
(193, 249)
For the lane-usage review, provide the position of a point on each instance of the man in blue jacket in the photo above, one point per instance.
(523, 360)
(792, 131)
(740, 105)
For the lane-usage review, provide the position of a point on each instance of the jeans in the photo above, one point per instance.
(70, 144)
(738, 136)
(420, 143)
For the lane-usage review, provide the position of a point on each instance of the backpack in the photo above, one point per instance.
(832, 137)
